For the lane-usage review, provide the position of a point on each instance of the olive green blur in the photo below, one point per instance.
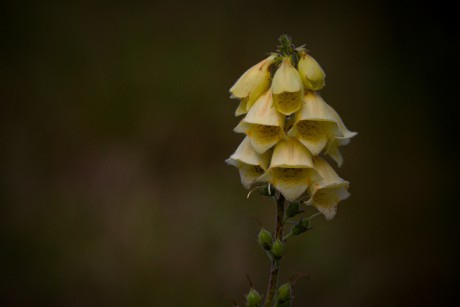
(116, 121)
(283, 295)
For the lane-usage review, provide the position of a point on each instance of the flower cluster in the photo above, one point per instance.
(288, 127)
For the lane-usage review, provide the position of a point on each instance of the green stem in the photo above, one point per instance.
(287, 236)
(275, 267)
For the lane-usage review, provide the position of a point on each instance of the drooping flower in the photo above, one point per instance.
(327, 193)
(310, 71)
(291, 169)
(287, 88)
(332, 149)
(250, 164)
(263, 124)
(333, 144)
(254, 82)
(315, 124)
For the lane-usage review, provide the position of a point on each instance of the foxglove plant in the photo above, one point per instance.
(288, 127)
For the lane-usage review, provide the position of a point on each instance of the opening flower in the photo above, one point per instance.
(327, 193)
(263, 124)
(250, 164)
(315, 124)
(287, 88)
(291, 169)
(254, 82)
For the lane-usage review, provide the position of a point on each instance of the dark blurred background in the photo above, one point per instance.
(116, 121)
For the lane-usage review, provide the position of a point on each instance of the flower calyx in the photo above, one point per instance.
(265, 239)
(284, 295)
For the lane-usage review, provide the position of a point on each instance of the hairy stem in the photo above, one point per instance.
(275, 267)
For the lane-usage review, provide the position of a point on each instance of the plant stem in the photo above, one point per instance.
(275, 267)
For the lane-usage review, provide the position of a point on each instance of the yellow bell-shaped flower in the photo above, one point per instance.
(314, 124)
(287, 88)
(327, 193)
(311, 73)
(291, 169)
(254, 82)
(343, 138)
(263, 124)
(250, 164)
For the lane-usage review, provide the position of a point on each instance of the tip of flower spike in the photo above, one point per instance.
(285, 47)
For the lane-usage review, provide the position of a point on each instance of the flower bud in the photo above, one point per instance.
(300, 227)
(293, 209)
(277, 249)
(253, 298)
(283, 295)
(265, 239)
(311, 73)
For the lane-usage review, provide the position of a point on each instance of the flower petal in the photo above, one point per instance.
(263, 137)
(315, 108)
(342, 128)
(290, 153)
(328, 174)
(313, 134)
(254, 82)
(250, 164)
(315, 124)
(287, 102)
(242, 127)
(326, 199)
(286, 78)
(249, 174)
(245, 154)
(332, 148)
(242, 107)
(327, 193)
(291, 182)
(263, 113)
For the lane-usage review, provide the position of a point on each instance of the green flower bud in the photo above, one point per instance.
(277, 249)
(300, 227)
(293, 209)
(265, 239)
(283, 294)
(253, 298)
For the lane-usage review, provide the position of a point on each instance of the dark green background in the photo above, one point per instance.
(116, 121)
